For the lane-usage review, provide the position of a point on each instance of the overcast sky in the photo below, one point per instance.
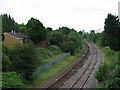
(77, 14)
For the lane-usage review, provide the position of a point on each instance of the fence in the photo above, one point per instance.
(48, 64)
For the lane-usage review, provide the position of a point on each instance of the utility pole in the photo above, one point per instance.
(119, 10)
(0, 52)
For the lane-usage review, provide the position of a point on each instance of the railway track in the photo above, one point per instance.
(59, 82)
(87, 72)
(77, 75)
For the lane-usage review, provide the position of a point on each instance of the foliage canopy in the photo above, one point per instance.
(35, 30)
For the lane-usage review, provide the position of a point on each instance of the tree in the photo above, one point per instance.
(35, 30)
(22, 28)
(80, 32)
(56, 38)
(24, 59)
(75, 37)
(68, 47)
(112, 30)
(66, 30)
(9, 24)
(49, 29)
(92, 31)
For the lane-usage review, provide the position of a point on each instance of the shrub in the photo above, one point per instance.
(24, 59)
(108, 74)
(113, 78)
(55, 49)
(68, 47)
(5, 58)
(11, 80)
(49, 52)
(75, 37)
(101, 72)
(5, 49)
(56, 38)
(5, 62)
(45, 53)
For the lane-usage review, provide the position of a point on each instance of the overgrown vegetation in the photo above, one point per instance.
(50, 51)
(47, 73)
(23, 59)
(108, 74)
(35, 30)
(51, 71)
(11, 80)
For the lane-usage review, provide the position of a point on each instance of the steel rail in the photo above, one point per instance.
(56, 84)
(83, 82)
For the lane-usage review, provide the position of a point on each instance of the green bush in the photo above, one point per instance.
(108, 74)
(45, 53)
(49, 52)
(101, 72)
(5, 62)
(113, 78)
(24, 59)
(56, 38)
(5, 58)
(55, 49)
(111, 57)
(68, 47)
(75, 37)
(11, 80)
(5, 49)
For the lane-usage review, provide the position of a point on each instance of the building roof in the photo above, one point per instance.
(17, 35)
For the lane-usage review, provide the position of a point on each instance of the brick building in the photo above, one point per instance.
(12, 38)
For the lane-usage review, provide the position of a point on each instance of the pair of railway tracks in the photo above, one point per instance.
(78, 75)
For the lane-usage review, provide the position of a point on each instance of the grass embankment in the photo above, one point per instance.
(51, 59)
(108, 74)
(47, 73)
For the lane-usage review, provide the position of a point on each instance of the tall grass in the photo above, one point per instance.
(108, 74)
(47, 73)
(52, 71)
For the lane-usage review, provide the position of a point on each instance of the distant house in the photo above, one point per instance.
(12, 38)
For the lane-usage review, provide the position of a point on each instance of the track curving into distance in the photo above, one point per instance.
(79, 73)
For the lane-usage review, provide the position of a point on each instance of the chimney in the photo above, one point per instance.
(12, 31)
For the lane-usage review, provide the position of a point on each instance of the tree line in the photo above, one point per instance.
(110, 36)
(37, 32)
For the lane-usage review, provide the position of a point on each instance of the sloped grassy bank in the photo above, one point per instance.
(108, 74)
(47, 73)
